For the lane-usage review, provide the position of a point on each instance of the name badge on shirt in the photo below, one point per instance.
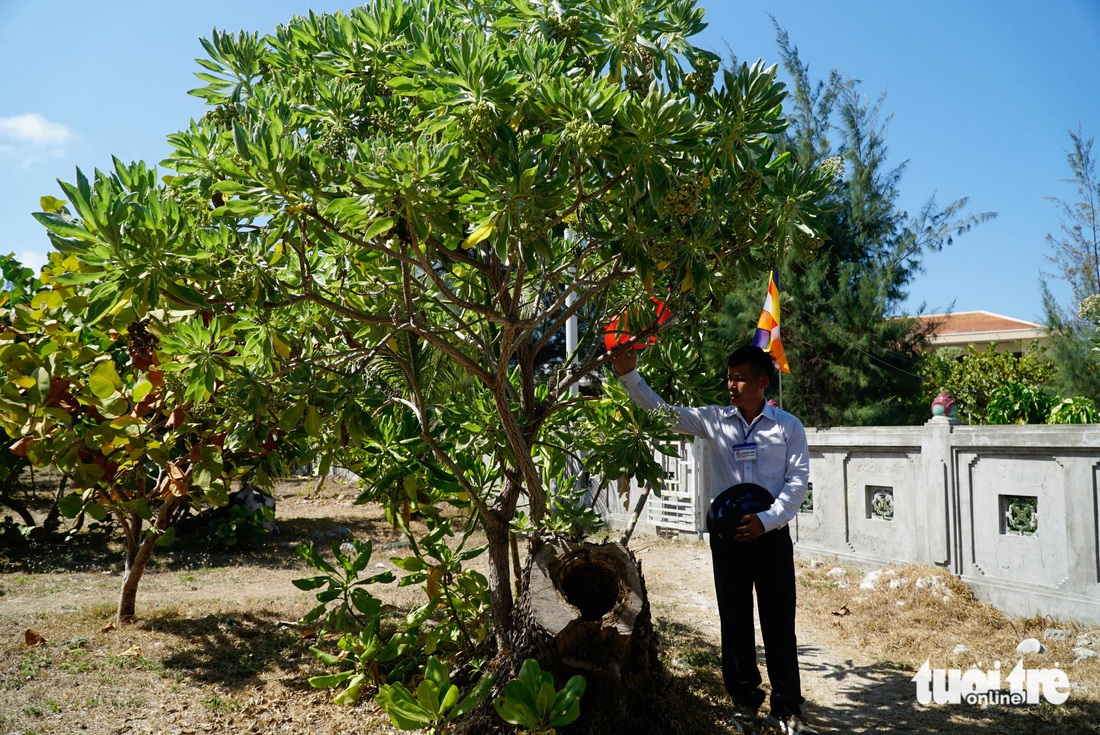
(745, 452)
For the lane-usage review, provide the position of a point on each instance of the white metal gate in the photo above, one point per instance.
(677, 507)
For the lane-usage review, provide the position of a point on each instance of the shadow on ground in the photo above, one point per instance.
(867, 699)
(99, 547)
(882, 699)
(234, 650)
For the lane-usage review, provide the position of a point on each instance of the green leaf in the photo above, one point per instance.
(521, 696)
(240, 140)
(48, 299)
(216, 494)
(290, 418)
(404, 711)
(312, 423)
(530, 675)
(77, 278)
(310, 583)
(330, 680)
(480, 233)
(104, 381)
(365, 603)
(70, 505)
(141, 390)
(51, 204)
(380, 225)
(449, 698)
(409, 563)
(326, 658)
(62, 226)
(351, 694)
(515, 712)
(427, 694)
(544, 700)
(470, 700)
(567, 707)
(437, 674)
(166, 538)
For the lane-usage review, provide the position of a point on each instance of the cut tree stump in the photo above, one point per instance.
(584, 610)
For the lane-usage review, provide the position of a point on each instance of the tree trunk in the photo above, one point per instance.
(5, 498)
(135, 567)
(500, 588)
(139, 547)
(585, 611)
(53, 518)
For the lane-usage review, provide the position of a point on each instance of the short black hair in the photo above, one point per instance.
(759, 362)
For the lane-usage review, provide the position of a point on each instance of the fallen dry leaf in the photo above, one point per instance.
(108, 627)
(34, 638)
(133, 651)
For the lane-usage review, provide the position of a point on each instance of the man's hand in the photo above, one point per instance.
(624, 361)
(750, 529)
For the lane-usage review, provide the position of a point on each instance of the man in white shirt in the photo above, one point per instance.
(749, 442)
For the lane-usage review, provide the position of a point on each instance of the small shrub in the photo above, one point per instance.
(532, 702)
(1076, 410)
(436, 702)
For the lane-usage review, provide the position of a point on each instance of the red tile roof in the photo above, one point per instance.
(973, 322)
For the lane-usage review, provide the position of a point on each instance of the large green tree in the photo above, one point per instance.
(854, 357)
(391, 188)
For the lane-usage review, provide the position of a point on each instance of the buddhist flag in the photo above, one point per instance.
(767, 329)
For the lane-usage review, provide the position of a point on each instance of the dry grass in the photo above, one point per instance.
(211, 652)
(916, 613)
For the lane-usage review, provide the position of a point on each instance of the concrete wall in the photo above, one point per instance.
(940, 494)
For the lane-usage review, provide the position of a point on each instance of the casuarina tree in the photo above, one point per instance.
(854, 357)
(1075, 257)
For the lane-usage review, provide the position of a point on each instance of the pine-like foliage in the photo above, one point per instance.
(1075, 255)
(854, 360)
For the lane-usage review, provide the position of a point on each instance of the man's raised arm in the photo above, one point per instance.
(692, 420)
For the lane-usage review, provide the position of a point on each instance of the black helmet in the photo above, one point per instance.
(734, 503)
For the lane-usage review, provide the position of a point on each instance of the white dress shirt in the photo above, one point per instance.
(782, 464)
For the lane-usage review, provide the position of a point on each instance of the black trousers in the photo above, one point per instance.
(766, 565)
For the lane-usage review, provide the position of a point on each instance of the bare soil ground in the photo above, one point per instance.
(216, 648)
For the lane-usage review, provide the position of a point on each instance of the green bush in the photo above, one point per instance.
(1076, 410)
(1017, 403)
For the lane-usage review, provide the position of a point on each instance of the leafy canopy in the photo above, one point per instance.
(368, 244)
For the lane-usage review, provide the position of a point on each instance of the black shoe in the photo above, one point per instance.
(792, 724)
(744, 714)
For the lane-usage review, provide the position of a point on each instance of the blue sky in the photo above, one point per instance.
(981, 96)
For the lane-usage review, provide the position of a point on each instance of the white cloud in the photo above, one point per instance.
(33, 259)
(35, 130)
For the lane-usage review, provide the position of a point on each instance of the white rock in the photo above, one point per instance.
(895, 583)
(1057, 634)
(901, 603)
(841, 585)
(815, 563)
(960, 649)
(1030, 645)
(1084, 654)
(836, 572)
(870, 582)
